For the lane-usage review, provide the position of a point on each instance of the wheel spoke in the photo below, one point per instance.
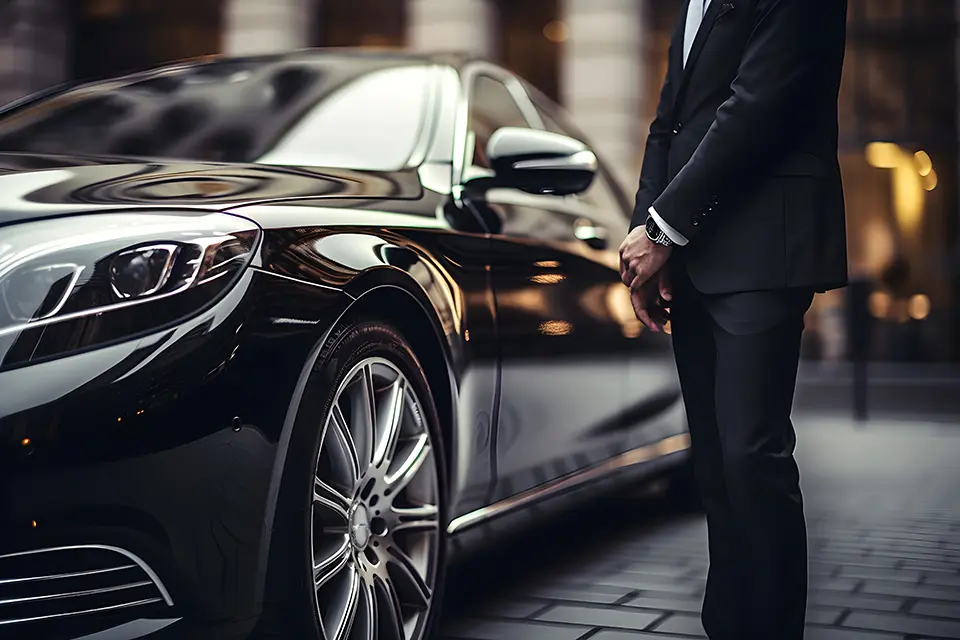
(326, 568)
(367, 409)
(387, 443)
(342, 430)
(393, 614)
(414, 584)
(371, 607)
(411, 465)
(345, 625)
(412, 519)
(331, 499)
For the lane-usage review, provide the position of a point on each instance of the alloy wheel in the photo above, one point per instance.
(376, 525)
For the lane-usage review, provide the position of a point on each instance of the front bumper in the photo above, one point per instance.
(151, 468)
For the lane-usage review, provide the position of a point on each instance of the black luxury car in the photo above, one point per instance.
(281, 337)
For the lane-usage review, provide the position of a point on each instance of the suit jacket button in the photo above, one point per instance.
(695, 221)
(677, 128)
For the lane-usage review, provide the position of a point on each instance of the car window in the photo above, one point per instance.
(492, 107)
(371, 123)
(364, 114)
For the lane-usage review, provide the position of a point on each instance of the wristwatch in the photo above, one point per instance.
(656, 234)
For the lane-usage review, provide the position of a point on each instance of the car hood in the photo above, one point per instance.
(37, 186)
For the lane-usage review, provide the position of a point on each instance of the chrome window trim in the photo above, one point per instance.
(430, 122)
(517, 91)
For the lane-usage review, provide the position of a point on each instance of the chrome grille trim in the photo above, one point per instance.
(75, 594)
(95, 579)
(64, 576)
(54, 616)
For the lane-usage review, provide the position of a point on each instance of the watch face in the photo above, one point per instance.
(652, 227)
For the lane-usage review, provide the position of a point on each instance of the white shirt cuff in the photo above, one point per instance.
(675, 236)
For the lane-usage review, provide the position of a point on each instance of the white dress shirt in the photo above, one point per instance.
(695, 13)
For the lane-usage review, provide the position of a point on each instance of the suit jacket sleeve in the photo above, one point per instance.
(654, 173)
(776, 69)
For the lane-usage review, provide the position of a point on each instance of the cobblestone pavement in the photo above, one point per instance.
(883, 505)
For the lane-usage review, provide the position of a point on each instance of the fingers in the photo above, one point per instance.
(641, 300)
(666, 290)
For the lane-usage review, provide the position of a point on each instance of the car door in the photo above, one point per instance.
(563, 337)
(652, 391)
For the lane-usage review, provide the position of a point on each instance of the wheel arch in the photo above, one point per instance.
(395, 296)
(408, 308)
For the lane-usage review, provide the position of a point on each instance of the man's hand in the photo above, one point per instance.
(648, 301)
(640, 258)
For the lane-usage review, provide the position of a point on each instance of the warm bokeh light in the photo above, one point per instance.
(884, 155)
(556, 31)
(548, 278)
(908, 183)
(26, 442)
(924, 163)
(556, 328)
(880, 304)
(878, 244)
(919, 307)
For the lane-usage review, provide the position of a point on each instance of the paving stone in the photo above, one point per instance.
(665, 570)
(902, 623)
(510, 609)
(687, 605)
(834, 584)
(637, 581)
(929, 592)
(612, 634)
(898, 575)
(820, 615)
(942, 579)
(855, 601)
(471, 629)
(934, 609)
(825, 633)
(599, 594)
(612, 617)
(683, 625)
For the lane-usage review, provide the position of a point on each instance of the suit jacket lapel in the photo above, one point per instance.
(676, 63)
(709, 18)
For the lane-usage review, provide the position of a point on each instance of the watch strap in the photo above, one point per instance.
(656, 234)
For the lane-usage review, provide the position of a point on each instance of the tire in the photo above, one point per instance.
(358, 548)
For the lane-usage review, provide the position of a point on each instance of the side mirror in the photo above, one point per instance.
(540, 161)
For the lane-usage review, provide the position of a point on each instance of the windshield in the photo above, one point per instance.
(355, 113)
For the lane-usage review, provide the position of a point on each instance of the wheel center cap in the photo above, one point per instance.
(360, 527)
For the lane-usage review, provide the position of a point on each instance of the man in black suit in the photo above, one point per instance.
(739, 221)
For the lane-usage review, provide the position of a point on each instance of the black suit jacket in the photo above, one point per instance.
(742, 156)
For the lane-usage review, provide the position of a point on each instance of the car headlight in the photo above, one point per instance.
(72, 282)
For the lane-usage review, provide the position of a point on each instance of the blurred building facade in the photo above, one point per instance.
(604, 61)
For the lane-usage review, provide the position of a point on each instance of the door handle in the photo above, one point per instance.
(593, 236)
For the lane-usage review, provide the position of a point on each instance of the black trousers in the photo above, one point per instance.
(737, 357)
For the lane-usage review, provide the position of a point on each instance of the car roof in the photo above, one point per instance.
(363, 55)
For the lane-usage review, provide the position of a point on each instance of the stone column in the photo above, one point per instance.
(452, 25)
(254, 27)
(603, 78)
(34, 38)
